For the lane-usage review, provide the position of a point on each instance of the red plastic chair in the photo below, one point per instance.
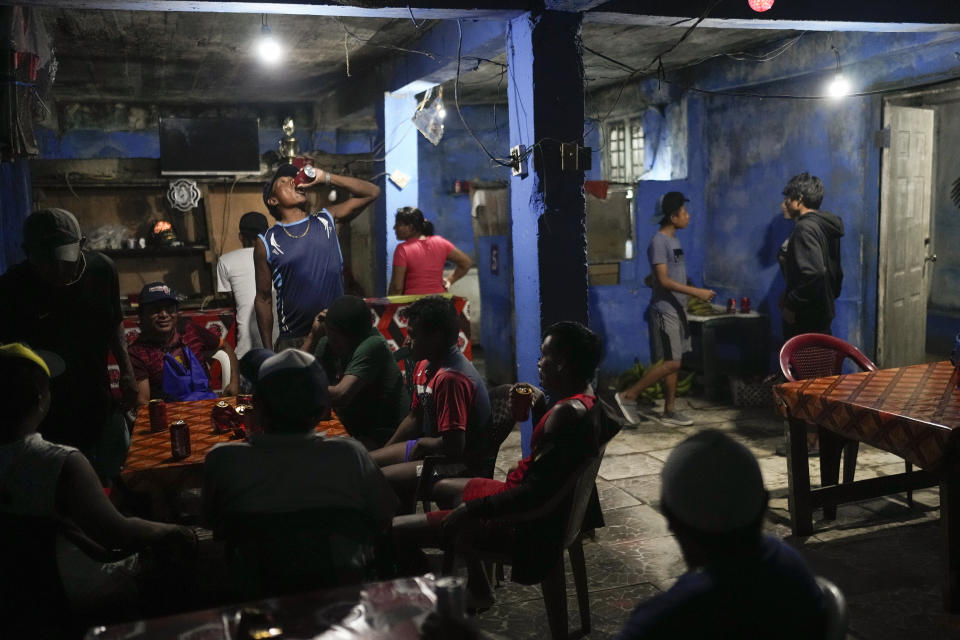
(816, 355)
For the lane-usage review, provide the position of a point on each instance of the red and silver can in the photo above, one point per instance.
(158, 415)
(745, 305)
(245, 399)
(306, 174)
(732, 305)
(249, 419)
(179, 439)
(521, 401)
(222, 417)
(239, 426)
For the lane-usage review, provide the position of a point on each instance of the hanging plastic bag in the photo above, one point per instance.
(429, 115)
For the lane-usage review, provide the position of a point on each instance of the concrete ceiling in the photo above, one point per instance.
(174, 58)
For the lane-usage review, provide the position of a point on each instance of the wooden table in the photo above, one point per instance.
(150, 466)
(376, 611)
(911, 411)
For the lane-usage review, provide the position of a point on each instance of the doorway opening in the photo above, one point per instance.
(918, 292)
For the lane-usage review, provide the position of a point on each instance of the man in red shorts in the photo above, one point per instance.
(563, 438)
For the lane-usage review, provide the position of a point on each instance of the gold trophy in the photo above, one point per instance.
(287, 145)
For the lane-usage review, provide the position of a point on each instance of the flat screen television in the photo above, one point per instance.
(209, 146)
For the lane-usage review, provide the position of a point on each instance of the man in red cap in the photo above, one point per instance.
(171, 357)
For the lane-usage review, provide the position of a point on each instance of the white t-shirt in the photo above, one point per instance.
(29, 472)
(280, 473)
(235, 273)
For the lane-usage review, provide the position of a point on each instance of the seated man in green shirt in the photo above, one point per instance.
(368, 393)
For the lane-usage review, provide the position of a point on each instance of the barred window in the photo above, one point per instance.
(617, 149)
(636, 148)
(624, 153)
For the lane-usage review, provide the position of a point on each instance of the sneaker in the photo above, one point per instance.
(628, 408)
(675, 418)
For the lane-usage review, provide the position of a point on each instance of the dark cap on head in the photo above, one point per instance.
(712, 483)
(282, 170)
(156, 292)
(254, 222)
(291, 385)
(670, 203)
(350, 315)
(53, 230)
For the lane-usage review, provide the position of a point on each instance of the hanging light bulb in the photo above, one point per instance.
(441, 110)
(268, 48)
(839, 86)
(760, 5)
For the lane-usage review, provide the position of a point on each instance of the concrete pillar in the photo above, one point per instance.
(549, 232)
(400, 153)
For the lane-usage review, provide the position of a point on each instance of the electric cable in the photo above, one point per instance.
(456, 102)
(370, 42)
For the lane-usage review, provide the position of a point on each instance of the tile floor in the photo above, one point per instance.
(884, 556)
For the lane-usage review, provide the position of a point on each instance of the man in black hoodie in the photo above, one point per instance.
(809, 259)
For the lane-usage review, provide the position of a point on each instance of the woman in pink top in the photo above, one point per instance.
(419, 260)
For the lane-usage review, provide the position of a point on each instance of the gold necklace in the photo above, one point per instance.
(305, 231)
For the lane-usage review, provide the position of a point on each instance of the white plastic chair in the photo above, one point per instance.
(224, 360)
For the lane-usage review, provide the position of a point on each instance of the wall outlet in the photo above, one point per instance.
(517, 165)
(399, 178)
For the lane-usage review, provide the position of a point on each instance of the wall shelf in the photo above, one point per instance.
(155, 252)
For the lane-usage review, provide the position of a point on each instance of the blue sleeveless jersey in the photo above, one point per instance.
(307, 269)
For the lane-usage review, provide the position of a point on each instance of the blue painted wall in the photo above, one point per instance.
(401, 144)
(103, 140)
(459, 157)
(742, 150)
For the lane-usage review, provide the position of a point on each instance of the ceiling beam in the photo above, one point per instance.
(807, 15)
(572, 6)
(424, 10)
(413, 72)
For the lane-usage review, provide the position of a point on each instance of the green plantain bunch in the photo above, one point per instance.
(698, 307)
(654, 391)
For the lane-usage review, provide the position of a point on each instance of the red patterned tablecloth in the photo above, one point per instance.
(386, 318)
(910, 411)
(149, 453)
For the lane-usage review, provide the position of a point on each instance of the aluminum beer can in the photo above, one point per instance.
(306, 174)
(158, 415)
(745, 305)
(222, 417)
(522, 401)
(245, 399)
(240, 426)
(451, 598)
(732, 305)
(179, 439)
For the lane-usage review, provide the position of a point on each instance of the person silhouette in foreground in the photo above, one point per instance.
(741, 583)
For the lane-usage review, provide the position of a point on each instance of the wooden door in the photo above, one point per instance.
(904, 236)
